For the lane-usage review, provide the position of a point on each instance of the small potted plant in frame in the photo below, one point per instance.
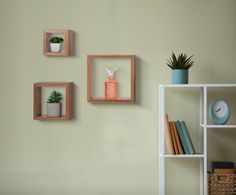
(55, 44)
(54, 104)
(180, 68)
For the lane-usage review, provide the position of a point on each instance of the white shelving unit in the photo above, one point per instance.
(203, 126)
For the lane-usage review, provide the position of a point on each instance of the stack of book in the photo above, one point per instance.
(222, 167)
(177, 137)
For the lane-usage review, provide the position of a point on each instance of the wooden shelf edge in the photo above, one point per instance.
(104, 100)
(52, 84)
(56, 30)
(56, 54)
(111, 56)
(44, 117)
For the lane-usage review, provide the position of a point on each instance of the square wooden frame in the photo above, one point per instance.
(68, 42)
(37, 100)
(90, 79)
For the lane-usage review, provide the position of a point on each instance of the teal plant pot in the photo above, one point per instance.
(180, 76)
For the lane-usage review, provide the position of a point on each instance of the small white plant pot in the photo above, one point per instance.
(55, 47)
(53, 109)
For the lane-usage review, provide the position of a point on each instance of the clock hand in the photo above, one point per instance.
(218, 109)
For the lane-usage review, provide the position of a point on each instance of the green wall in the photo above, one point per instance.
(106, 149)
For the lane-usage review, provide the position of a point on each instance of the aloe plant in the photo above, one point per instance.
(182, 62)
(55, 97)
(56, 40)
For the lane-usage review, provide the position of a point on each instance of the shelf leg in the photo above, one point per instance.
(161, 142)
(205, 139)
(201, 135)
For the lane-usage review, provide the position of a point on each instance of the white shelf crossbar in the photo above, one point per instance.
(218, 126)
(184, 155)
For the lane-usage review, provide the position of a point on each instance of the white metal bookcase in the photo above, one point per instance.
(203, 126)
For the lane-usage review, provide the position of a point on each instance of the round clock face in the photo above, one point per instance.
(219, 112)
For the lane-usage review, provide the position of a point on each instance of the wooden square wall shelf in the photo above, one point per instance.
(90, 79)
(67, 43)
(38, 100)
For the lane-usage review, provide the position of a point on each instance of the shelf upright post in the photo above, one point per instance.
(201, 135)
(205, 139)
(161, 141)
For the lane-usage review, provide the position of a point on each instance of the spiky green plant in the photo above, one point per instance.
(55, 97)
(56, 40)
(182, 62)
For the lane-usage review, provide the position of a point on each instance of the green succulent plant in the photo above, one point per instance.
(55, 97)
(182, 62)
(56, 40)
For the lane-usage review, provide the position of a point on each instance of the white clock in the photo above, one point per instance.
(219, 112)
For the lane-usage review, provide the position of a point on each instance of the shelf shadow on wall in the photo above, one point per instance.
(75, 101)
(138, 80)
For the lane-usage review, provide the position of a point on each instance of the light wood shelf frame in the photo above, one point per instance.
(90, 79)
(38, 101)
(67, 43)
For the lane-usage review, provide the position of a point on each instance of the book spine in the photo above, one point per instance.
(173, 138)
(167, 135)
(182, 138)
(177, 137)
(187, 137)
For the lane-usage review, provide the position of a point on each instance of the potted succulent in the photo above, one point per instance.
(55, 44)
(180, 68)
(54, 104)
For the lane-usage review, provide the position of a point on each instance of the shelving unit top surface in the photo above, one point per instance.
(195, 85)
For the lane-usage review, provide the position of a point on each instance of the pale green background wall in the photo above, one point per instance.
(106, 149)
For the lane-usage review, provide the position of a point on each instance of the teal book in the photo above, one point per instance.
(187, 137)
(182, 138)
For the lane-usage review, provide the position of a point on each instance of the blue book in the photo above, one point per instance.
(181, 135)
(187, 137)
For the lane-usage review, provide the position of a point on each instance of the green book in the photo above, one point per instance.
(182, 138)
(187, 137)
